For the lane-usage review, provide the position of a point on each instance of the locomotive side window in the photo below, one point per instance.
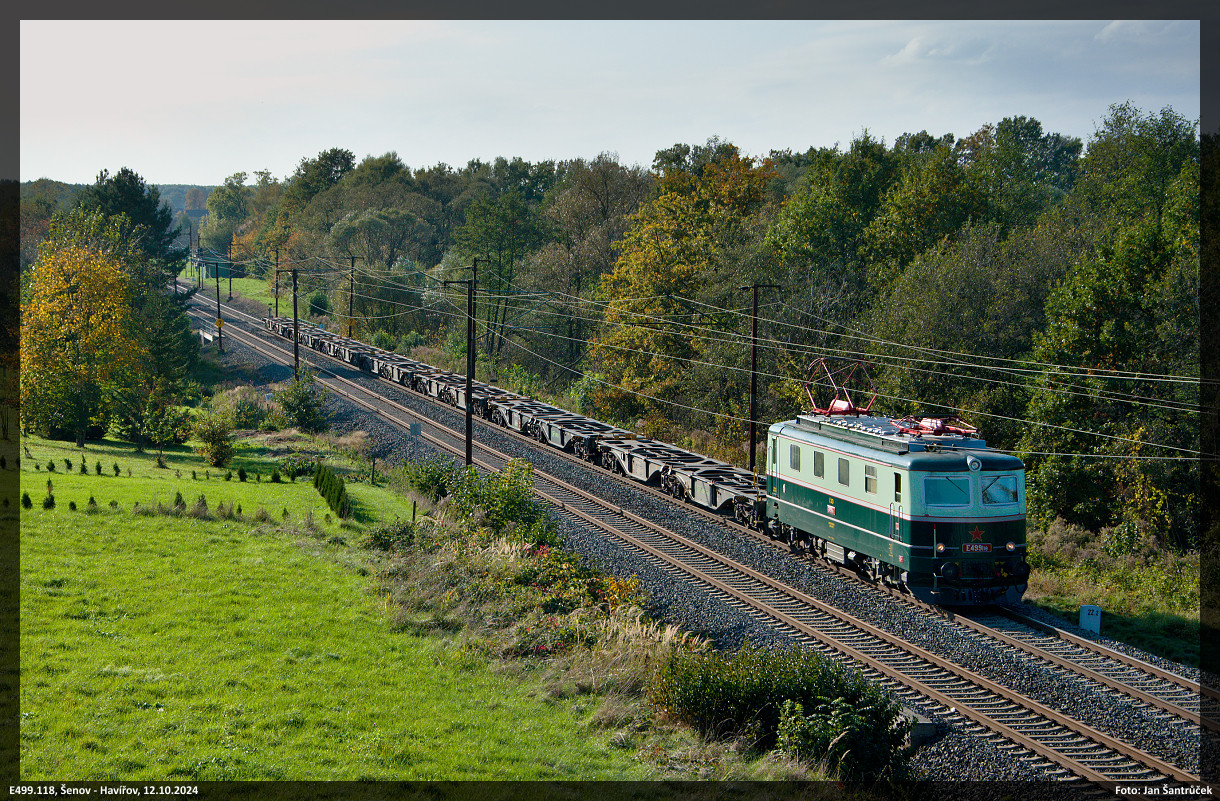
(794, 457)
(774, 453)
(999, 489)
(946, 491)
(844, 472)
(898, 488)
(819, 464)
(870, 478)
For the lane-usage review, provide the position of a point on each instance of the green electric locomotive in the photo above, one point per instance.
(919, 504)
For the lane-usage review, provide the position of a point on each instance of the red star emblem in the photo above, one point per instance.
(976, 535)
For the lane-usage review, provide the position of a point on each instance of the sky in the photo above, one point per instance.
(263, 95)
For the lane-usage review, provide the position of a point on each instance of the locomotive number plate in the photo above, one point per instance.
(976, 547)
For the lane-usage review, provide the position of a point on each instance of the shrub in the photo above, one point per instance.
(298, 465)
(193, 476)
(51, 466)
(71, 506)
(275, 476)
(432, 476)
(26, 503)
(318, 303)
(67, 465)
(116, 469)
(302, 402)
(385, 340)
(391, 536)
(84, 469)
(214, 431)
(241, 474)
(409, 341)
(743, 693)
(503, 498)
(179, 503)
(48, 502)
(228, 475)
(97, 468)
(332, 489)
(245, 407)
(114, 504)
(858, 742)
(200, 508)
(92, 502)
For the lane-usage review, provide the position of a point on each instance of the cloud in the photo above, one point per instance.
(1141, 32)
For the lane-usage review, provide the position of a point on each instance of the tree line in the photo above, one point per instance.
(1041, 286)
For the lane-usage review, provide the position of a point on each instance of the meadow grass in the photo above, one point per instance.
(256, 289)
(1149, 598)
(1132, 610)
(168, 647)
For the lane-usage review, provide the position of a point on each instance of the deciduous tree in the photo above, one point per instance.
(77, 337)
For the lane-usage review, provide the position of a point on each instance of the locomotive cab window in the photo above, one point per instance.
(999, 489)
(819, 464)
(946, 491)
(870, 478)
(844, 472)
(794, 457)
(898, 488)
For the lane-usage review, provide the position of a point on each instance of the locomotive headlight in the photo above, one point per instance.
(940, 547)
(1012, 546)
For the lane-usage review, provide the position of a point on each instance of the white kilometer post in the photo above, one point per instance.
(1090, 618)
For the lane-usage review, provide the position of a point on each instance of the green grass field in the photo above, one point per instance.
(164, 647)
(1149, 598)
(1136, 609)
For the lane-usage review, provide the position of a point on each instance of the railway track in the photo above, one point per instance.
(1080, 752)
(1148, 684)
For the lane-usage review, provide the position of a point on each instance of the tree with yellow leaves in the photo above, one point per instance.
(676, 241)
(78, 337)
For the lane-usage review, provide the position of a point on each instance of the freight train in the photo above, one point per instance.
(923, 505)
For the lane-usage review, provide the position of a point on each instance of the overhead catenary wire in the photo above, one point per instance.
(777, 345)
(1193, 453)
(718, 335)
(1070, 389)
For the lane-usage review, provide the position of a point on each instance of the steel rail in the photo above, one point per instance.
(1067, 663)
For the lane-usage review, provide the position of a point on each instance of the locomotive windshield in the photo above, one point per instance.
(946, 491)
(999, 489)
